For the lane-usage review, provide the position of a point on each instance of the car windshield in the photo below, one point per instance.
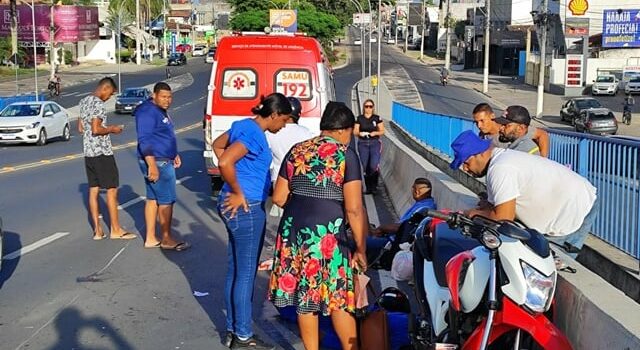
(635, 79)
(133, 93)
(174, 55)
(604, 80)
(210, 54)
(584, 104)
(21, 111)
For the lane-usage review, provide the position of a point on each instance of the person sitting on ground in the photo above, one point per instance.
(381, 235)
(540, 193)
(484, 118)
(514, 129)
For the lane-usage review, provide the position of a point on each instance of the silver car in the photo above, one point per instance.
(33, 122)
(597, 121)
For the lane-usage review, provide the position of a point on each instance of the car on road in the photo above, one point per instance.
(357, 42)
(184, 48)
(34, 122)
(633, 85)
(571, 109)
(177, 59)
(391, 41)
(199, 50)
(606, 84)
(597, 121)
(210, 57)
(131, 98)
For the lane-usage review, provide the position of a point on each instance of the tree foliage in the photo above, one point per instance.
(252, 20)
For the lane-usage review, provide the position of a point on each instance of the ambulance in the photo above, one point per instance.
(248, 66)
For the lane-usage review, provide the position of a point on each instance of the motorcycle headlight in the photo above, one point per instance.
(539, 288)
(32, 125)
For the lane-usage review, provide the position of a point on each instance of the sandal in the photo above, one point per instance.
(125, 236)
(178, 247)
(99, 238)
(157, 245)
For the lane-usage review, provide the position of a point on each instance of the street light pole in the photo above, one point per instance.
(447, 54)
(487, 30)
(52, 43)
(370, 33)
(362, 51)
(164, 28)
(543, 53)
(138, 50)
(35, 57)
(379, 49)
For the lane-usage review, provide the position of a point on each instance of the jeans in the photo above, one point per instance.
(576, 239)
(246, 236)
(370, 151)
(164, 189)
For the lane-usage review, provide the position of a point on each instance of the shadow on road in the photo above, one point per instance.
(10, 243)
(70, 323)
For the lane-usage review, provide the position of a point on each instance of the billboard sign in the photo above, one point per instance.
(284, 20)
(621, 28)
(576, 27)
(73, 23)
(361, 18)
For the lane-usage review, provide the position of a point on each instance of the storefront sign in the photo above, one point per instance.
(576, 27)
(284, 20)
(621, 28)
(578, 7)
(72, 23)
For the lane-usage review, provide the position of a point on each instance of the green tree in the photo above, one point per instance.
(321, 25)
(252, 20)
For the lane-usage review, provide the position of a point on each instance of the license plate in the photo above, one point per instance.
(128, 107)
(7, 137)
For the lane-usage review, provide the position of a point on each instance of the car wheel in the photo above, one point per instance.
(562, 117)
(66, 133)
(42, 139)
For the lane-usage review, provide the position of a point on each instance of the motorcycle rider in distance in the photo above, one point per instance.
(444, 76)
(629, 101)
(55, 81)
(542, 194)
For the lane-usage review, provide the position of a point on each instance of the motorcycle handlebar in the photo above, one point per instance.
(439, 215)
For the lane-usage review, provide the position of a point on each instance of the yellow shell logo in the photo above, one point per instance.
(578, 7)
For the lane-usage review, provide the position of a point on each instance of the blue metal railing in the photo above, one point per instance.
(5, 101)
(611, 165)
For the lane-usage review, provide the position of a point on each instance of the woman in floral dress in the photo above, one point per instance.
(319, 186)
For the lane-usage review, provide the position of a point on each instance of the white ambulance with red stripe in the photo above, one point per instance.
(250, 65)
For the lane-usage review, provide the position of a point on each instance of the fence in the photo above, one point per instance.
(5, 101)
(611, 165)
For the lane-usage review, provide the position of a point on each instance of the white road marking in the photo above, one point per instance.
(131, 202)
(181, 180)
(69, 94)
(33, 246)
(83, 94)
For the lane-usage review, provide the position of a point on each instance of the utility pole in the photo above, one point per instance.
(424, 11)
(406, 29)
(487, 44)
(543, 53)
(379, 49)
(164, 28)
(52, 43)
(370, 34)
(447, 54)
(138, 40)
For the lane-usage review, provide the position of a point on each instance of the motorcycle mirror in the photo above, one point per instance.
(510, 229)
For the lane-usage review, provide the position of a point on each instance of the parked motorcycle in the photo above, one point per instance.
(483, 284)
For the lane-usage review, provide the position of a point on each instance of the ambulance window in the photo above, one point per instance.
(294, 82)
(239, 84)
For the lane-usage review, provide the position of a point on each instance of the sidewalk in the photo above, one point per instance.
(71, 76)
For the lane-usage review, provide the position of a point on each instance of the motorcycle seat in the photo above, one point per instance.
(447, 243)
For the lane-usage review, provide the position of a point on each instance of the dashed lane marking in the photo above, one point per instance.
(139, 199)
(33, 246)
(14, 168)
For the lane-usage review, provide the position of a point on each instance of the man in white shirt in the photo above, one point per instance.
(282, 142)
(542, 194)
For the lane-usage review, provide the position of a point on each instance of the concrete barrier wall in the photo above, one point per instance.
(591, 312)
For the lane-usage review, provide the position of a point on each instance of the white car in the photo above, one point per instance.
(210, 57)
(633, 85)
(199, 51)
(357, 42)
(34, 122)
(605, 84)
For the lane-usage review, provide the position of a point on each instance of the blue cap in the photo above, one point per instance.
(467, 144)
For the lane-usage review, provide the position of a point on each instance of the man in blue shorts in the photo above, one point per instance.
(158, 159)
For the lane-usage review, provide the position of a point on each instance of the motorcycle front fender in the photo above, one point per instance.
(513, 317)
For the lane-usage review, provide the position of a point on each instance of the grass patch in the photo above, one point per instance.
(22, 72)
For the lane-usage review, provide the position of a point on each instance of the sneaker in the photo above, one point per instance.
(228, 339)
(251, 343)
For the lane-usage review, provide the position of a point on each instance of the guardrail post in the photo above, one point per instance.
(583, 157)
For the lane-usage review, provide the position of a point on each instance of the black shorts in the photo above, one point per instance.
(102, 171)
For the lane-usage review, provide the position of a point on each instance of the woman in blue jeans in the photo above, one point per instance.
(244, 159)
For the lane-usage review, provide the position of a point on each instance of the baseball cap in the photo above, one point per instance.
(514, 114)
(467, 144)
(296, 108)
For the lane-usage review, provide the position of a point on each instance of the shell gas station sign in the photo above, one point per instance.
(578, 7)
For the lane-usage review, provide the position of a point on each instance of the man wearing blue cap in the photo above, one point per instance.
(542, 194)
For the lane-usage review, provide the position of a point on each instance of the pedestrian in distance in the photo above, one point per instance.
(244, 159)
(158, 159)
(99, 161)
(368, 129)
(540, 193)
(281, 142)
(374, 83)
(484, 119)
(319, 185)
(514, 130)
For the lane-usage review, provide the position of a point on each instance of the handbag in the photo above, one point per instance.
(374, 331)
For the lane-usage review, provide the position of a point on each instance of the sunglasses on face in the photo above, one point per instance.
(368, 106)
